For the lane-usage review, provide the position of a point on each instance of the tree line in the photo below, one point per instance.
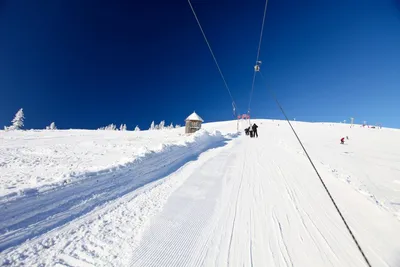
(18, 124)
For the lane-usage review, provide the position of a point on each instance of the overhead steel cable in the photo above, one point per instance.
(215, 60)
(258, 56)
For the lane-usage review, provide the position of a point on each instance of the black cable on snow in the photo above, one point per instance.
(319, 176)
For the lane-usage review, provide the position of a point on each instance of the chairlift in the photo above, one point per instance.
(257, 66)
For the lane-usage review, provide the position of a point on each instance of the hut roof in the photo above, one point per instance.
(194, 117)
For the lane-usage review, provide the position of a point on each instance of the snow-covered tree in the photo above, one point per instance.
(17, 122)
(161, 125)
(111, 127)
(52, 126)
(122, 127)
(171, 126)
(152, 126)
(137, 129)
(177, 126)
(156, 127)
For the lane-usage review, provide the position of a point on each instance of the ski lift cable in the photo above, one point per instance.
(319, 176)
(257, 67)
(215, 60)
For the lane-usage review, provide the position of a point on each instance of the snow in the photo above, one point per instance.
(40, 159)
(194, 117)
(215, 198)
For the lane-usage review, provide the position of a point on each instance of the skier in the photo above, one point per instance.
(254, 127)
(342, 140)
(247, 131)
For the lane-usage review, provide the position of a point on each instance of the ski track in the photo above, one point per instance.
(264, 210)
(182, 223)
(246, 202)
(35, 215)
(236, 209)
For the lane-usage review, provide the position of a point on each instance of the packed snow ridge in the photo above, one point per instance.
(40, 160)
(214, 198)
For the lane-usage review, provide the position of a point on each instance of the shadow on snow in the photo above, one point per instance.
(39, 212)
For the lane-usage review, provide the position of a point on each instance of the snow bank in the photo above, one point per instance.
(82, 210)
(30, 160)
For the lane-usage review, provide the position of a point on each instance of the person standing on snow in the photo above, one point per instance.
(342, 140)
(254, 127)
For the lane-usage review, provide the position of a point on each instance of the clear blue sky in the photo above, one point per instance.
(89, 63)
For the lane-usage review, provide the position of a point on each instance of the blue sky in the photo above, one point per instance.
(86, 64)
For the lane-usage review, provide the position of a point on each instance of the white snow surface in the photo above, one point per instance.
(37, 160)
(215, 198)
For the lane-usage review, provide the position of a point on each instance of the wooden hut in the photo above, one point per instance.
(193, 123)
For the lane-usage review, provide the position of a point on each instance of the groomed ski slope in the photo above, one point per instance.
(260, 204)
(228, 201)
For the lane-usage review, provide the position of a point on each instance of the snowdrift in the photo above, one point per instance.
(32, 161)
(39, 210)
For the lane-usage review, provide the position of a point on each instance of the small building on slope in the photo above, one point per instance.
(193, 123)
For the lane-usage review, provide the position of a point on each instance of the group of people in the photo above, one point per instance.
(252, 131)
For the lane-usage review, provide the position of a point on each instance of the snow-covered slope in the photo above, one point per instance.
(32, 159)
(369, 161)
(160, 198)
(37, 160)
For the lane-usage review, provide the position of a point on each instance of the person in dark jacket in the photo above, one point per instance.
(247, 131)
(254, 127)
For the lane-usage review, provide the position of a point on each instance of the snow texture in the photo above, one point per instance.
(94, 211)
(162, 198)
